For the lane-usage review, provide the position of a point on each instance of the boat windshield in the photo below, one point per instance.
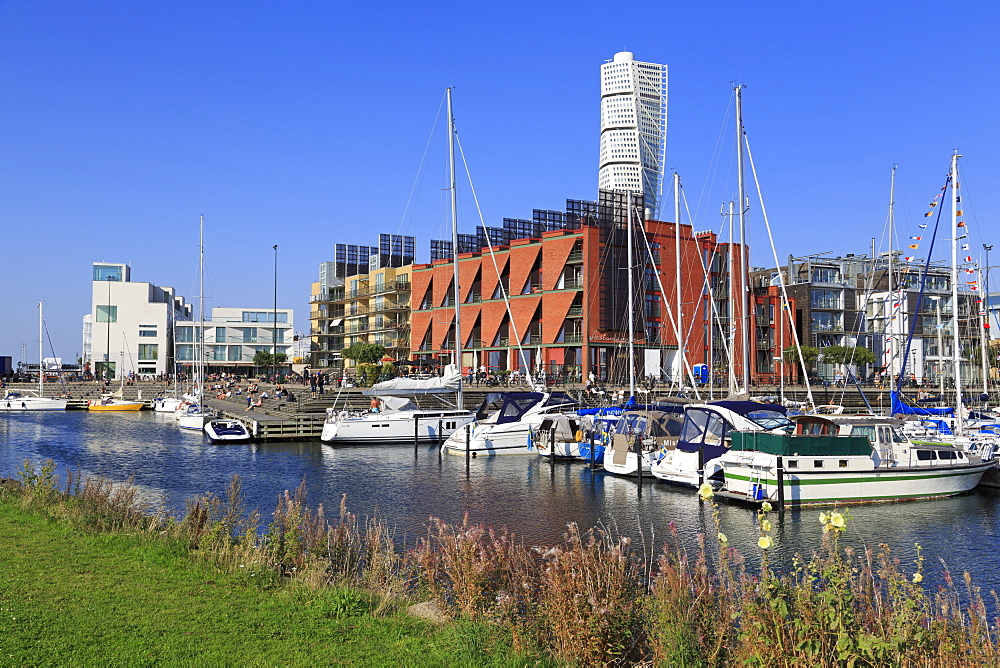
(704, 426)
(769, 419)
(516, 406)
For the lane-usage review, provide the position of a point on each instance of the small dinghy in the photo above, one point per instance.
(222, 430)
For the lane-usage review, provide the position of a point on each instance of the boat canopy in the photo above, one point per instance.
(900, 407)
(793, 445)
(403, 387)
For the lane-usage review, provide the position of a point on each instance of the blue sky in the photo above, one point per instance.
(304, 124)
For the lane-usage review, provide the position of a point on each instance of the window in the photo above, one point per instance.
(825, 275)
(148, 351)
(827, 322)
(249, 335)
(264, 316)
(147, 332)
(185, 353)
(185, 334)
(220, 334)
(106, 273)
(829, 299)
(279, 336)
(817, 463)
(106, 313)
(234, 353)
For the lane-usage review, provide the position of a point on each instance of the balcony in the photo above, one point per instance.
(575, 337)
(356, 329)
(573, 284)
(575, 256)
(575, 312)
(393, 286)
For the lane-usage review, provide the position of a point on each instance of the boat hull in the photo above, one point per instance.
(759, 482)
(123, 406)
(32, 404)
(376, 429)
(226, 431)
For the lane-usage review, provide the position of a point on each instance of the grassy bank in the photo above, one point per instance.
(92, 577)
(72, 596)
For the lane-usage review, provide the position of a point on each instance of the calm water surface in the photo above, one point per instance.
(524, 494)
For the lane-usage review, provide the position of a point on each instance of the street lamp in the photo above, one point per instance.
(274, 322)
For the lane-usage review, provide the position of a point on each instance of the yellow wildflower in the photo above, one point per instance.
(764, 542)
(823, 517)
(766, 507)
(765, 525)
(705, 491)
(722, 538)
(837, 520)
(917, 578)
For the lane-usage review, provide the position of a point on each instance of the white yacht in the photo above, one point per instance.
(397, 419)
(507, 431)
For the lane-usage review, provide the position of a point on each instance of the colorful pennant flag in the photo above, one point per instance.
(916, 238)
(924, 226)
(909, 259)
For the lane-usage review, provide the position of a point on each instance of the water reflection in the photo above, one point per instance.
(524, 494)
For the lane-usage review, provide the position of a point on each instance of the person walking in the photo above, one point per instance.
(320, 382)
(312, 383)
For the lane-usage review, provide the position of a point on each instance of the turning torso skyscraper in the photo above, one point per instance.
(633, 127)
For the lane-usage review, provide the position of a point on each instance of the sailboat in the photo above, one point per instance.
(170, 402)
(16, 400)
(116, 401)
(193, 416)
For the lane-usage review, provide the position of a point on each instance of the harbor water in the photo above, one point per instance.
(525, 494)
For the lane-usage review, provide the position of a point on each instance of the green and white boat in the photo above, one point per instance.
(836, 459)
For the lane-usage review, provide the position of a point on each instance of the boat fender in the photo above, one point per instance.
(579, 436)
(342, 415)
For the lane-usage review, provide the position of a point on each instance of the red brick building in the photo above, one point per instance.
(567, 291)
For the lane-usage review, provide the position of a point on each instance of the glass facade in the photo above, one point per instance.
(264, 316)
(108, 272)
(148, 351)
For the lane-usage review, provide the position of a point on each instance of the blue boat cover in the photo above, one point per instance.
(900, 407)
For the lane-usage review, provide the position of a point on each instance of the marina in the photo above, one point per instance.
(529, 495)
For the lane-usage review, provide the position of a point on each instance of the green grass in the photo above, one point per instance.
(73, 598)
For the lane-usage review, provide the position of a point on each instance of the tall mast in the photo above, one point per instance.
(956, 352)
(677, 278)
(893, 339)
(731, 321)
(41, 374)
(201, 309)
(983, 322)
(631, 307)
(454, 246)
(744, 308)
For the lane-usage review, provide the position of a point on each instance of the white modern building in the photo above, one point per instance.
(131, 324)
(234, 335)
(633, 127)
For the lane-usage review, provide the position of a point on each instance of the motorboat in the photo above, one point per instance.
(839, 459)
(692, 457)
(507, 430)
(641, 434)
(226, 430)
(166, 404)
(394, 418)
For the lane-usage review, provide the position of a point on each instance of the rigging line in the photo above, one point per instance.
(786, 303)
(418, 178)
(920, 295)
(715, 159)
(496, 267)
(707, 287)
(670, 315)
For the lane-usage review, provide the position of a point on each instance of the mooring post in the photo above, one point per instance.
(638, 461)
(781, 482)
(468, 441)
(440, 435)
(701, 466)
(592, 455)
(552, 449)
(416, 433)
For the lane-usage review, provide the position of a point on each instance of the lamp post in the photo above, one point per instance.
(107, 317)
(274, 323)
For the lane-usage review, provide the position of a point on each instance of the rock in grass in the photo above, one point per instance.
(430, 611)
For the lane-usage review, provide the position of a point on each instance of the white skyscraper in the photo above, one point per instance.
(633, 127)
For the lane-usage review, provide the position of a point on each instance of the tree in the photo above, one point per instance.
(851, 355)
(810, 355)
(364, 353)
(263, 358)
